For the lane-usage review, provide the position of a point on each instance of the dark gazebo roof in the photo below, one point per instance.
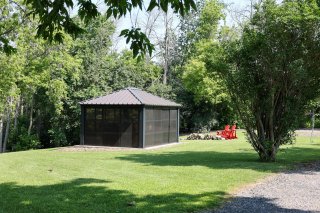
(130, 96)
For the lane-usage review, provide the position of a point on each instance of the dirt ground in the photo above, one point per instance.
(84, 148)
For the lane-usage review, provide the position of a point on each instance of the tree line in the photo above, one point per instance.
(263, 74)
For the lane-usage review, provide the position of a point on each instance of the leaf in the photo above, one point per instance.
(152, 5)
(115, 13)
(164, 5)
(58, 37)
(109, 12)
(124, 32)
(128, 39)
(193, 5)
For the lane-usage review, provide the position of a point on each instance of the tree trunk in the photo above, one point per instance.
(38, 121)
(166, 51)
(21, 107)
(312, 125)
(6, 136)
(266, 141)
(1, 133)
(268, 155)
(16, 114)
(31, 117)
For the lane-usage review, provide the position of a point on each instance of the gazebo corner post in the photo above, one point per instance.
(142, 128)
(82, 120)
(178, 124)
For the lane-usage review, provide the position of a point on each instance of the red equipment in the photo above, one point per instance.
(228, 133)
(233, 132)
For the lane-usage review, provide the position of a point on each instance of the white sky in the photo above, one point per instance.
(238, 2)
(126, 23)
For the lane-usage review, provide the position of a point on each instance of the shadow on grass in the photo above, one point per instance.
(255, 204)
(225, 160)
(92, 195)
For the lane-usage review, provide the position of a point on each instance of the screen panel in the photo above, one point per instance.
(111, 129)
(90, 126)
(112, 126)
(130, 128)
(173, 135)
(159, 128)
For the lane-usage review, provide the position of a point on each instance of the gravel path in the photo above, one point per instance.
(307, 132)
(295, 191)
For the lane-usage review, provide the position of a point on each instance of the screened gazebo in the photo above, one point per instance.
(129, 118)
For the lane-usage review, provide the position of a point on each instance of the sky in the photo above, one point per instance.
(126, 22)
(238, 2)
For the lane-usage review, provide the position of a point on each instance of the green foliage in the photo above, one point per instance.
(197, 74)
(23, 141)
(162, 90)
(274, 72)
(20, 139)
(9, 72)
(204, 120)
(139, 44)
(312, 109)
(39, 72)
(200, 24)
(54, 17)
(10, 15)
(268, 74)
(126, 72)
(209, 19)
(205, 81)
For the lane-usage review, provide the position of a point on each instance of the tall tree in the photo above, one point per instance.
(35, 77)
(275, 71)
(202, 91)
(10, 70)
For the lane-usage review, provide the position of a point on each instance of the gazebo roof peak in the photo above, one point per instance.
(132, 88)
(130, 96)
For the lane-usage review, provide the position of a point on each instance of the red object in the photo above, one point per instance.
(228, 133)
(224, 133)
(233, 132)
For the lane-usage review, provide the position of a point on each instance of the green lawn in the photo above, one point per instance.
(184, 178)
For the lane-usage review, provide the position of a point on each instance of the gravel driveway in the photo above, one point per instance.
(294, 191)
(307, 132)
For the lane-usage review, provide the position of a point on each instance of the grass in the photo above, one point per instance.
(185, 178)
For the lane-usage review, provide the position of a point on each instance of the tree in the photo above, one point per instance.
(160, 27)
(274, 71)
(201, 24)
(33, 85)
(203, 93)
(206, 85)
(12, 15)
(10, 71)
(167, 45)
